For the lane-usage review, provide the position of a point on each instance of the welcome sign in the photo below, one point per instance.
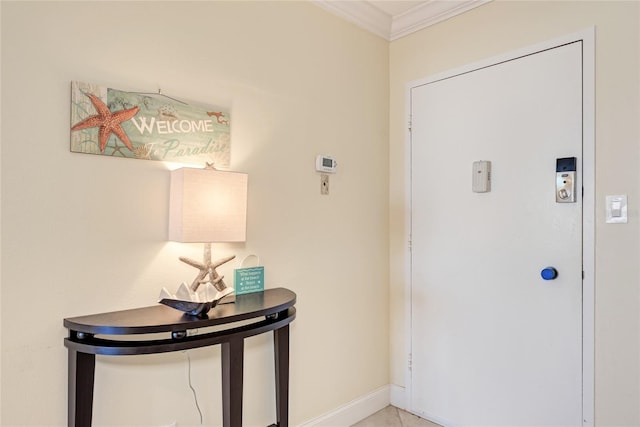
(111, 122)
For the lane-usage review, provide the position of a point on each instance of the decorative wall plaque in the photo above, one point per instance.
(146, 126)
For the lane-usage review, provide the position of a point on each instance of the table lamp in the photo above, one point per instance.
(208, 205)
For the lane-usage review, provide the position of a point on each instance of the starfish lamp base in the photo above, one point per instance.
(208, 273)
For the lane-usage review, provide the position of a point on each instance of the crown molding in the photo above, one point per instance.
(367, 16)
(360, 13)
(427, 14)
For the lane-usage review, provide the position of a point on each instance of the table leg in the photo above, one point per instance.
(232, 378)
(80, 390)
(281, 352)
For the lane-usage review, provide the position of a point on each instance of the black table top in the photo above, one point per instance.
(160, 318)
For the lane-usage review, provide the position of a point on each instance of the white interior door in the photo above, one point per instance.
(492, 343)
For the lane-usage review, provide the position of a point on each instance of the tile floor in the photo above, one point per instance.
(394, 417)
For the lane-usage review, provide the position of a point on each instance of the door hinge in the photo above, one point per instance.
(409, 362)
(409, 124)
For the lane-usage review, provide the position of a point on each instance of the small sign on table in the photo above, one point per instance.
(249, 279)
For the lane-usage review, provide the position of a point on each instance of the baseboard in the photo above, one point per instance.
(397, 396)
(354, 411)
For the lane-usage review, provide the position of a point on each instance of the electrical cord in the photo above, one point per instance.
(193, 390)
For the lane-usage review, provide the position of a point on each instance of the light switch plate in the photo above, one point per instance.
(324, 184)
(616, 209)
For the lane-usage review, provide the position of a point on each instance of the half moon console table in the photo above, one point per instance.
(259, 312)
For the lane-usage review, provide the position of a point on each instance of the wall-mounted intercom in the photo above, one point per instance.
(481, 178)
(326, 164)
(566, 180)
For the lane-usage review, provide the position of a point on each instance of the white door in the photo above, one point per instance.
(492, 343)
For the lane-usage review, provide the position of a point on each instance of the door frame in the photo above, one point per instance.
(587, 37)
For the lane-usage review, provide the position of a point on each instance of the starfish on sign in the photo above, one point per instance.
(108, 122)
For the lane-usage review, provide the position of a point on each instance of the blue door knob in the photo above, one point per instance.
(549, 273)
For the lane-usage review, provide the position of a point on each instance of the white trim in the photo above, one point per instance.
(397, 396)
(362, 14)
(365, 15)
(354, 411)
(588, 226)
(408, 293)
(587, 37)
(427, 14)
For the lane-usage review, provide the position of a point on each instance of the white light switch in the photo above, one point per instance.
(617, 209)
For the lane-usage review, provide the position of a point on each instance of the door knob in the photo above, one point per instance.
(549, 273)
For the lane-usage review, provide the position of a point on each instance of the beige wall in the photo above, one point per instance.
(83, 234)
(500, 27)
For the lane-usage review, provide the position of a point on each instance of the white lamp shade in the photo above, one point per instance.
(208, 205)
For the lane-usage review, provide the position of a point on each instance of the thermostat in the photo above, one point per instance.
(326, 164)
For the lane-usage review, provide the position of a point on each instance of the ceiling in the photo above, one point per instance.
(394, 19)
